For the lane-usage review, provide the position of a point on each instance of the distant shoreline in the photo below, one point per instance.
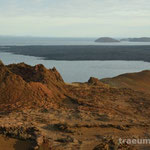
(88, 52)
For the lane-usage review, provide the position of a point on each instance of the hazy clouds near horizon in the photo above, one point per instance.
(75, 17)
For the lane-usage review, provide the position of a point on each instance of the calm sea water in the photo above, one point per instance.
(80, 71)
(59, 41)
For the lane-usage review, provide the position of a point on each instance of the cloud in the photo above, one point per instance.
(91, 16)
(74, 8)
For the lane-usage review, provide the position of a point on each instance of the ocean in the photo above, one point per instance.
(8, 40)
(76, 71)
(80, 71)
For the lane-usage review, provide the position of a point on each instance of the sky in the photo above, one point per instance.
(75, 18)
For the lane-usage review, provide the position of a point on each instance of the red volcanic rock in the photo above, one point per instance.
(22, 86)
(93, 80)
(96, 81)
(56, 115)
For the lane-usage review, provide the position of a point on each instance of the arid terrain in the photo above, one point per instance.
(38, 110)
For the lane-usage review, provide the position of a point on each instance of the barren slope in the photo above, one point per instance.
(137, 81)
(37, 106)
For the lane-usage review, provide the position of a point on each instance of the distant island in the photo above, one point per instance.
(141, 39)
(112, 40)
(106, 40)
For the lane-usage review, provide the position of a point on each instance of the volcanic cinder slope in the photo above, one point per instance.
(25, 86)
(137, 81)
(39, 110)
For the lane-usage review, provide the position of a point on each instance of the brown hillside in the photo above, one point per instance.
(80, 116)
(24, 86)
(137, 81)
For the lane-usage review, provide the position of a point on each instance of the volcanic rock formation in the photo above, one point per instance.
(39, 110)
(24, 86)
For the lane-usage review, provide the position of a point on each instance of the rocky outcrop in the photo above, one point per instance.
(96, 82)
(22, 86)
(38, 107)
(93, 80)
(1, 63)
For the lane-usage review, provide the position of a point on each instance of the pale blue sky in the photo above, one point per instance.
(75, 18)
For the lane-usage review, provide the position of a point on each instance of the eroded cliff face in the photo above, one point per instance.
(37, 105)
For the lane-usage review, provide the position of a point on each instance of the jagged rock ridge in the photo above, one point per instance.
(24, 86)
